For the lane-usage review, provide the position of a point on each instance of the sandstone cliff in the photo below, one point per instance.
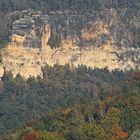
(96, 39)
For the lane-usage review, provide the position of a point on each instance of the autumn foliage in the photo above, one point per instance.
(122, 135)
(32, 136)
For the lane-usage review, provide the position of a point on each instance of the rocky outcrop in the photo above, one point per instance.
(22, 60)
(97, 39)
(27, 30)
(1, 71)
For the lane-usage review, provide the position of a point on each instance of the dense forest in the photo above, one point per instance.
(47, 5)
(71, 104)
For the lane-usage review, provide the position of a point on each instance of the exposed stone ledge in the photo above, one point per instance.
(95, 40)
(1, 71)
(28, 62)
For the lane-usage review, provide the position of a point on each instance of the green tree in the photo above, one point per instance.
(111, 122)
(135, 135)
(93, 131)
(44, 135)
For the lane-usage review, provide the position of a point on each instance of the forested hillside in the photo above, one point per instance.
(75, 104)
(47, 5)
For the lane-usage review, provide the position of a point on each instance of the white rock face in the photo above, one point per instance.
(28, 61)
(1, 71)
(21, 60)
(29, 49)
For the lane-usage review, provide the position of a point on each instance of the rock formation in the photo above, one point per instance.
(1, 71)
(96, 39)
